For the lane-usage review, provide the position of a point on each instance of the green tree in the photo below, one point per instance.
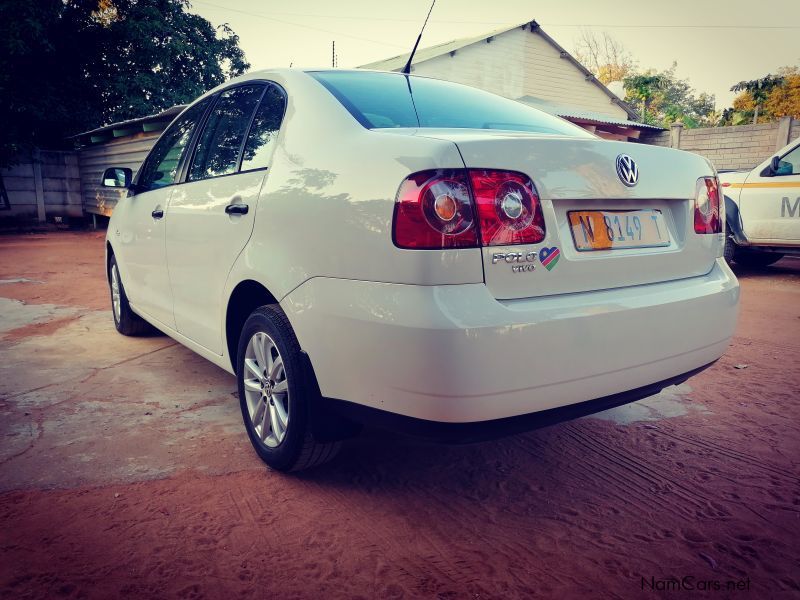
(766, 99)
(664, 98)
(70, 65)
(759, 90)
(643, 87)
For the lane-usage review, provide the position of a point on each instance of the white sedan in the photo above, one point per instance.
(373, 247)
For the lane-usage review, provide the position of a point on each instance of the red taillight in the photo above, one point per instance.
(707, 216)
(509, 211)
(436, 209)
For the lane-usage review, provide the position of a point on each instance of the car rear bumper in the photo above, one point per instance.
(455, 354)
(478, 431)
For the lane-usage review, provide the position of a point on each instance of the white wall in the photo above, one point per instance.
(520, 63)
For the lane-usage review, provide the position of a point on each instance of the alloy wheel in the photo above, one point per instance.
(266, 389)
(116, 301)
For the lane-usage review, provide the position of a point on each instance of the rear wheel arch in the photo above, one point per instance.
(247, 296)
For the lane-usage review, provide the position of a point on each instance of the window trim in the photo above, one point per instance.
(188, 157)
(189, 148)
(184, 178)
(285, 96)
(184, 169)
(266, 83)
(792, 174)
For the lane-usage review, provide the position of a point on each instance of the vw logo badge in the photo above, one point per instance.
(627, 170)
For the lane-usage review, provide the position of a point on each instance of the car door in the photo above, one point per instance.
(770, 201)
(211, 213)
(141, 227)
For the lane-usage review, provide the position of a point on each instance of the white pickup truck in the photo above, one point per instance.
(763, 209)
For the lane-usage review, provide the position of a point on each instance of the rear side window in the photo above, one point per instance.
(220, 143)
(261, 139)
(383, 100)
(161, 167)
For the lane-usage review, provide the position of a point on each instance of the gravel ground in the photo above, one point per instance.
(125, 471)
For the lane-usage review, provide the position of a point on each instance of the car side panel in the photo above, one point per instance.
(202, 245)
(139, 244)
(327, 204)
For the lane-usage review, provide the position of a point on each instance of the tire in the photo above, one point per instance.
(730, 247)
(277, 394)
(125, 320)
(755, 259)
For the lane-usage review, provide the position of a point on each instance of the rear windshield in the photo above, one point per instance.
(383, 100)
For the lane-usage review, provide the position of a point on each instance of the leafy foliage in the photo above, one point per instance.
(643, 87)
(776, 97)
(663, 99)
(70, 65)
(759, 90)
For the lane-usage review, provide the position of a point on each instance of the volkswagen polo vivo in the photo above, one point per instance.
(366, 246)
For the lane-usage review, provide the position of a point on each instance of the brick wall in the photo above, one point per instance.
(740, 147)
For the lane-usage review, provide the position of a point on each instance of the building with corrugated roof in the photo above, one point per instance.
(123, 144)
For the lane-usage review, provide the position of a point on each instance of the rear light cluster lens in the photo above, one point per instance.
(707, 212)
(434, 210)
(456, 208)
(509, 211)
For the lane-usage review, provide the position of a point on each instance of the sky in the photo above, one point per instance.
(715, 43)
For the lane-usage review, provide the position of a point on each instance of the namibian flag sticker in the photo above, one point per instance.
(549, 257)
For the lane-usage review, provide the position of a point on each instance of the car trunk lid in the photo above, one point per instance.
(580, 175)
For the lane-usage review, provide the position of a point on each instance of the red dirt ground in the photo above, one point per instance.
(125, 472)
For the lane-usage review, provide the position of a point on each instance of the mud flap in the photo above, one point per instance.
(734, 222)
(327, 425)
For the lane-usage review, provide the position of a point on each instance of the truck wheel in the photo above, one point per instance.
(755, 260)
(730, 247)
(276, 393)
(125, 320)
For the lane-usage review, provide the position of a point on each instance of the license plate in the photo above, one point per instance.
(617, 229)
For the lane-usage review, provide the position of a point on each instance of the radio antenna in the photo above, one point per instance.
(407, 69)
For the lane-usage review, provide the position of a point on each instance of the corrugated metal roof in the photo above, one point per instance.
(565, 111)
(164, 116)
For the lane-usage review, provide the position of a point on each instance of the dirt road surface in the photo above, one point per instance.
(125, 472)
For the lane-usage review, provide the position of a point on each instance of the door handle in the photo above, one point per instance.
(237, 209)
(157, 213)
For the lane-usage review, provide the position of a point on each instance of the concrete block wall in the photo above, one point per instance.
(794, 131)
(662, 138)
(739, 147)
(42, 186)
